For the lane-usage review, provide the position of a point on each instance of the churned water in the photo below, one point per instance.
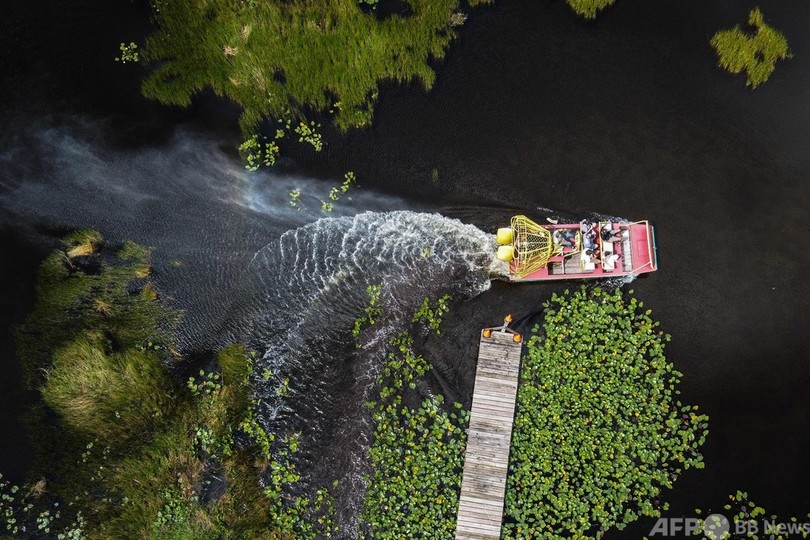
(312, 284)
(191, 200)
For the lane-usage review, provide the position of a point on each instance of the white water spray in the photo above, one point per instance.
(313, 285)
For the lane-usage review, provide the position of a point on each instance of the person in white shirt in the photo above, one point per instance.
(610, 260)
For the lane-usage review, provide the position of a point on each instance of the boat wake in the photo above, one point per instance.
(188, 198)
(312, 286)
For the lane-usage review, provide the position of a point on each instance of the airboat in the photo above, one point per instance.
(588, 249)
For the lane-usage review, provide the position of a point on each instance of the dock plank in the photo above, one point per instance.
(486, 462)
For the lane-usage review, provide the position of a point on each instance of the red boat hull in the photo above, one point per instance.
(636, 252)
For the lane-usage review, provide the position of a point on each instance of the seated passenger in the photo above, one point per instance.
(589, 240)
(610, 260)
(564, 237)
(609, 235)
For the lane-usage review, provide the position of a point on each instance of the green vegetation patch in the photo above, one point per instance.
(277, 58)
(589, 8)
(111, 396)
(417, 453)
(133, 451)
(200, 476)
(433, 316)
(85, 287)
(756, 54)
(372, 312)
(598, 429)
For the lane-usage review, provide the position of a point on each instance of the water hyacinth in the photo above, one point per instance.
(417, 456)
(418, 450)
(599, 432)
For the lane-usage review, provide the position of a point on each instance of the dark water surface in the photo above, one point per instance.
(533, 107)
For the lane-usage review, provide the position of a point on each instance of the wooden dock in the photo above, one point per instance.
(486, 463)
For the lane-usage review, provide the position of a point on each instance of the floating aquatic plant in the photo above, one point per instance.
(742, 518)
(599, 432)
(129, 53)
(418, 448)
(432, 316)
(417, 455)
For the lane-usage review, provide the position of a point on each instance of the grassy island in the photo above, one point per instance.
(589, 8)
(128, 446)
(283, 60)
(278, 59)
(296, 62)
(755, 54)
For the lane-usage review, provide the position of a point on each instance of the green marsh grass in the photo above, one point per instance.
(71, 302)
(125, 449)
(112, 396)
(589, 8)
(755, 54)
(279, 59)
